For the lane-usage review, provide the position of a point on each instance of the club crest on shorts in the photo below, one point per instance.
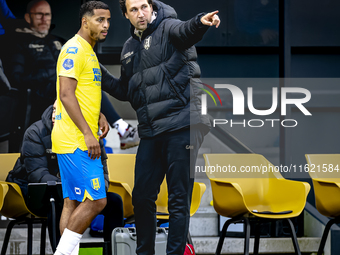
(95, 183)
(147, 42)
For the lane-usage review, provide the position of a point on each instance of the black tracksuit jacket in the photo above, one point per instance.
(159, 75)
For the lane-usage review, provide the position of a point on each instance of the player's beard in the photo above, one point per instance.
(98, 39)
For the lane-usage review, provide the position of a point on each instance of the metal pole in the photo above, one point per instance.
(284, 69)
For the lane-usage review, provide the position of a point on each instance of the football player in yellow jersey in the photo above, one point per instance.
(74, 136)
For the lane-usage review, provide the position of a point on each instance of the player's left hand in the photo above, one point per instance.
(211, 19)
(103, 125)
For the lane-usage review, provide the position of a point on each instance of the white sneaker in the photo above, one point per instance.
(129, 139)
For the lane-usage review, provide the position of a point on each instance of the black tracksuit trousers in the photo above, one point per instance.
(172, 154)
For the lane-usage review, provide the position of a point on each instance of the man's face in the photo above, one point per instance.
(39, 17)
(53, 112)
(99, 24)
(139, 12)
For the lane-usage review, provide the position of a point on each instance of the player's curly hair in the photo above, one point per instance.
(122, 4)
(88, 7)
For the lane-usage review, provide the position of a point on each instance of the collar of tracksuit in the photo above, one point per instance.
(30, 31)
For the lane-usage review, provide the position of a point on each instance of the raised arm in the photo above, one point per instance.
(184, 34)
(68, 98)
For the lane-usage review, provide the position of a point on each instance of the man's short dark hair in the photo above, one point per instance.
(122, 4)
(32, 3)
(89, 7)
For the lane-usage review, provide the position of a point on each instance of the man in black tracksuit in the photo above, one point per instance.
(159, 78)
(33, 58)
(31, 64)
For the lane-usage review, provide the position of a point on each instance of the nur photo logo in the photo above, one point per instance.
(239, 107)
(204, 97)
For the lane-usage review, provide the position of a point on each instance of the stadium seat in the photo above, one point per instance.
(162, 213)
(3, 191)
(162, 200)
(248, 187)
(121, 169)
(324, 171)
(121, 174)
(7, 161)
(12, 205)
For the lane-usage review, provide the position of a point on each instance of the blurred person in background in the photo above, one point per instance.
(32, 65)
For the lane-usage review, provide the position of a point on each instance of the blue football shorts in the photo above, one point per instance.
(81, 176)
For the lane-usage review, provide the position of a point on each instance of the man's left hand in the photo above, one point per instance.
(103, 125)
(211, 19)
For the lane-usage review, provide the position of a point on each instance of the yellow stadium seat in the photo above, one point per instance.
(3, 191)
(162, 203)
(13, 205)
(7, 161)
(121, 174)
(6, 164)
(162, 200)
(324, 169)
(121, 169)
(247, 187)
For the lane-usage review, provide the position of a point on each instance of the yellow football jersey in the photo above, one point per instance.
(77, 60)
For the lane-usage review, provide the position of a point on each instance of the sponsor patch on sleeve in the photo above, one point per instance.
(68, 64)
(72, 50)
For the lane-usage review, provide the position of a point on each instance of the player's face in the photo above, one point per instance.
(99, 25)
(39, 17)
(139, 13)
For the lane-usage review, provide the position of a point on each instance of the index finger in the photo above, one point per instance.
(90, 152)
(98, 152)
(213, 13)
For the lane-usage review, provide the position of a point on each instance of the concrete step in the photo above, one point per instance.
(204, 222)
(203, 245)
(207, 245)
(19, 247)
(18, 241)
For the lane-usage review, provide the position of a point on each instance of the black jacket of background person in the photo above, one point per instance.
(159, 75)
(32, 65)
(37, 162)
